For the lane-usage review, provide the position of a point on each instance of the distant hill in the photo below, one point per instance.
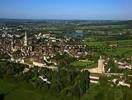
(56, 21)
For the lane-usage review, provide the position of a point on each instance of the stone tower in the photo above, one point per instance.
(101, 65)
(25, 39)
(12, 45)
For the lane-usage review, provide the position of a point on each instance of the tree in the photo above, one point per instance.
(64, 60)
(113, 67)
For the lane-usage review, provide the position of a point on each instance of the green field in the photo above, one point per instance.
(103, 43)
(124, 47)
(83, 64)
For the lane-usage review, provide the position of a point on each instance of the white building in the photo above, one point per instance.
(100, 68)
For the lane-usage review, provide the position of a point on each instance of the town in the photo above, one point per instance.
(50, 50)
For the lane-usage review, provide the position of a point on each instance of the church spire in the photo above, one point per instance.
(25, 39)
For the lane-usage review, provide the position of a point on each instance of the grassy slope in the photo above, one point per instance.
(24, 91)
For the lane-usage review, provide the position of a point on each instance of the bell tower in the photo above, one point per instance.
(25, 39)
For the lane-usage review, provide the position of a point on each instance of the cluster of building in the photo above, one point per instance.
(39, 49)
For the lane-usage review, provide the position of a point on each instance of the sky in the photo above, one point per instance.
(67, 9)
